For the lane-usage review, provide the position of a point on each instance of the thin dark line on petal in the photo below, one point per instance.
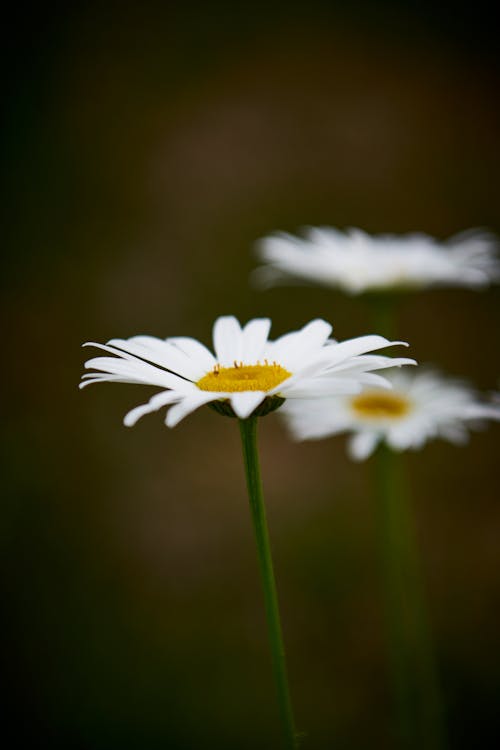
(153, 364)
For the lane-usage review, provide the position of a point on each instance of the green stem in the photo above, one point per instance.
(413, 669)
(412, 665)
(248, 429)
(382, 308)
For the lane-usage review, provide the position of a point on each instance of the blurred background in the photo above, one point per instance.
(146, 147)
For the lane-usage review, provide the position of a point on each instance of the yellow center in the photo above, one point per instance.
(380, 405)
(244, 377)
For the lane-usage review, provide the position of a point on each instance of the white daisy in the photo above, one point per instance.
(421, 405)
(357, 262)
(248, 374)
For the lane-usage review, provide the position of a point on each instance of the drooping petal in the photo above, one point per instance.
(362, 444)
(188, 404)
(455, 433)
(154, 403)
(314, 419)
(402, 437)
(245, 402)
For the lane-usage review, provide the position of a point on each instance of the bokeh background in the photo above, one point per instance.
(146, 147)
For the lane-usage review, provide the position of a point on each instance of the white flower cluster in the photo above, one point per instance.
(329, 387)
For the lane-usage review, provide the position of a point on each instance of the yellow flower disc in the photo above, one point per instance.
(380, 405)
(243, 378)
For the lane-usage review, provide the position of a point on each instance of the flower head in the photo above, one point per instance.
(248, 374)
(421, 405)
(357, 262)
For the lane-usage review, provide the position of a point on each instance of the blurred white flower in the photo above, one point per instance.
(247, 373)
(421, 405)
(357, 262)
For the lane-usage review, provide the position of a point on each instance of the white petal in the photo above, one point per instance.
(100, 377)
(107, 348)
(227, 337)
(366, 362)
(187, 405)
(408, 434)
(245, 402)
(482, 411)
(307, 424)
(109, 378)
(135, 371)
(293, 349)
(378, 381)
(362, 445)
(315, 388)
(353, 347)
(154, 403)
(195, 350)
(255, 335)
(455, 433)
(394, 362)
(162, 353)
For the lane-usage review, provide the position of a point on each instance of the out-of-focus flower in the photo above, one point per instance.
(421, 405)
(357, 262)
(248, 375)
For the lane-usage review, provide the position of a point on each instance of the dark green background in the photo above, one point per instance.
(146, 146)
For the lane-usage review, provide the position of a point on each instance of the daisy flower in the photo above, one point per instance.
(421, 406)
(356, 262)
(247, 375)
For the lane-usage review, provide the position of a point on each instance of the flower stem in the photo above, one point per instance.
(414, 677)
(248, 429)
(412, 665)
(383, 307)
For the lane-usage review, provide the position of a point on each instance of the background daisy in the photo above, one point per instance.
(422, 405)
(356, 262)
